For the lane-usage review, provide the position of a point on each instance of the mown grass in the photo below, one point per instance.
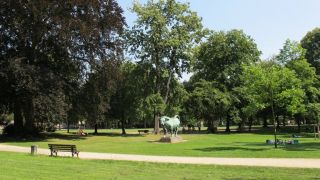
(206, 145)
(24, 166)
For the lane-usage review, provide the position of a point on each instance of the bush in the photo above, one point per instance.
(51, 128)
(5, 119)
(9, 130)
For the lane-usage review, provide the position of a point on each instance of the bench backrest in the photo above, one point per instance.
(62, 147)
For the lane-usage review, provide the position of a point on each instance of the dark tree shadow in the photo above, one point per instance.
(43, 137)
(70, 136)
(229, 148)
(307, 146)
(117, 135)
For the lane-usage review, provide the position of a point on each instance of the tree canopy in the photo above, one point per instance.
(48, 48)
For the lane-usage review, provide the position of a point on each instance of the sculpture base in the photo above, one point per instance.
(170, 139)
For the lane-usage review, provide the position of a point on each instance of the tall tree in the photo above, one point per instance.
(208, 103)
(163, 36)
(48, 44)
(270, 85)
(221, 56)
(130, 95)
(292, 56)
(311, 42)
(97, 92)
(220, 59)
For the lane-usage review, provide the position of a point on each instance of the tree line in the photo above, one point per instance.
(71, 61)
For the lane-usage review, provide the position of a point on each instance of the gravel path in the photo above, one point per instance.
(270, 162)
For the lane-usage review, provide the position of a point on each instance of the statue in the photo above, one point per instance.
(170, 124)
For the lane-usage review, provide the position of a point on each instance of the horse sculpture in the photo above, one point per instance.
(170, 124)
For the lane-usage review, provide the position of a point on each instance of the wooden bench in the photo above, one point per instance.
(54, 148)
(143, 131)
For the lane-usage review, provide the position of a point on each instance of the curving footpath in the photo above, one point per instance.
(266, 162)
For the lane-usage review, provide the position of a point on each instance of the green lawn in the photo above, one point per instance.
(24, 166)
(212, 145)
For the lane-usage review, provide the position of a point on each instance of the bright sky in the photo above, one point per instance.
(268, 22)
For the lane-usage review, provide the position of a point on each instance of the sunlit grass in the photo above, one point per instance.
(23, 166)
(211, 145)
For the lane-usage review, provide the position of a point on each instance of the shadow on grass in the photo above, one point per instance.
(307, 146)
(229, 148)
(43, 137)
(116, 135)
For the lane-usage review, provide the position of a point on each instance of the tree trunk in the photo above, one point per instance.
(68, 126)
(228, 124)
(123, 125)
(250, 123)
(156, 122)
(299, 126)
(274, 121)
(278, 122)
(265, 122)
(18, 118)
(284, 121)
(318, 130)
(298, 120)
(123, 128)
(96, 128)
(168, 87)
(144, 121)
(240, 127)
(213, 126)
(28, 112)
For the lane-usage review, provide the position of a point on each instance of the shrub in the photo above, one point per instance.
(9, 130)
(51, 128)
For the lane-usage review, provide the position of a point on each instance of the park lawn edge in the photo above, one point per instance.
(26, 166)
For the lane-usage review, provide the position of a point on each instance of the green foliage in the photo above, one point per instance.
(178, 97)
(165, 29)
(154, 104)
(291, 51)
(267, 84)
(5, 118)
(311, 42)
(292, 100)
(163, 37)
(208, 102)
(97, 91)
(221, 57)
(313, 112)
(47, 49)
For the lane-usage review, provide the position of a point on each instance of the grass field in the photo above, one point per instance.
(207, 145)
(23, 166)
